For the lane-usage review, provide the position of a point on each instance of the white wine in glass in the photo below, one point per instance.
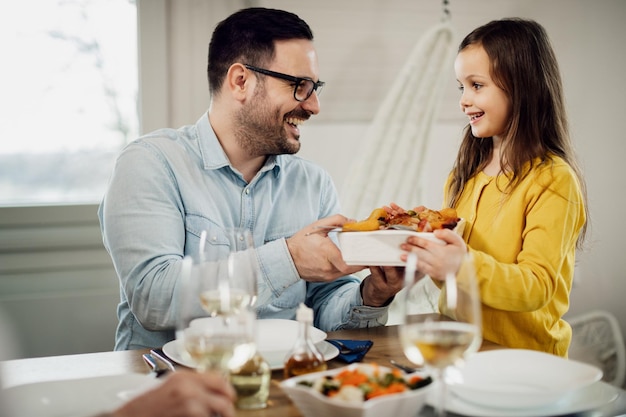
(438, 343)
(220, 343)
(236, 270)
(216, 302)
(442, 340)
(216, 321)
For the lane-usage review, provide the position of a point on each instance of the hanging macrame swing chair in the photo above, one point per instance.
(388, 168)
(389, 165)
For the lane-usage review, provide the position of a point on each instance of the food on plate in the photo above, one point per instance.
(356, 386)
(375, 220)
(421, 219)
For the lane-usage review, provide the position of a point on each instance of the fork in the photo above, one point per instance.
(156, 366)
(160, 356)
(400, 227)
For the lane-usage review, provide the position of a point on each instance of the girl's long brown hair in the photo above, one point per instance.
(524, 65)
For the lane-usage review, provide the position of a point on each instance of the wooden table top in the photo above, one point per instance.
(22, 371)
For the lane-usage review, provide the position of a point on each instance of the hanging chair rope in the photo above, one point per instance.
(388, 167)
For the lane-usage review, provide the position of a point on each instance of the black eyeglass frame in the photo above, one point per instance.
(317, 85)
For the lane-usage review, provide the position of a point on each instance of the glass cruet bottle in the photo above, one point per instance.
(304, 357)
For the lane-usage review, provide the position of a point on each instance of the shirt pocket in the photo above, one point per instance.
(216, 244)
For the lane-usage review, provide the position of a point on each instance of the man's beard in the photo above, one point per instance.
(258, 131)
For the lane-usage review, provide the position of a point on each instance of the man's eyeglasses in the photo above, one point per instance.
(303, 87)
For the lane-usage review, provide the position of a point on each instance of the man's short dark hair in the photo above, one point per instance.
(248, 36)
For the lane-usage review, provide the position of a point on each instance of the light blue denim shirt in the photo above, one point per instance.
(169, 186)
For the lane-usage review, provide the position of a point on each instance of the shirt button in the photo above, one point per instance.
(214, 238)
(247, 191)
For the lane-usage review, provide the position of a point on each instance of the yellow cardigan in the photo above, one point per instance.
(523, 246)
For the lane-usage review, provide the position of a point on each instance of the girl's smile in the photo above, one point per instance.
(484, 103)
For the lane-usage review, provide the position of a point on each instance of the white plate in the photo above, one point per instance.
(76, 397)
(522, 379)
(275, 337)
(380, 247)
(591, 397)
(276, 361)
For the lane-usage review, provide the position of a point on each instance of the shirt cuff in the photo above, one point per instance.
(366, 316)
(277, 267)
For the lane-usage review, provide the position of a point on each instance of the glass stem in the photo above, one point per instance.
(440, 402)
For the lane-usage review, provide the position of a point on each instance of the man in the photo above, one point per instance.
(235, 167)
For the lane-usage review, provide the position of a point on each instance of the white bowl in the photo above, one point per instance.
(312, 403)
(522, 379)
(380, 247)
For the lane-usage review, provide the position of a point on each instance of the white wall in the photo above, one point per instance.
(58, 287)
(361, 43)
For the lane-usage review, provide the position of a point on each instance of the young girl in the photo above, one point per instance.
(517, 183)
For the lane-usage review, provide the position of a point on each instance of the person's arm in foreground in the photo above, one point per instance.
(183, 394)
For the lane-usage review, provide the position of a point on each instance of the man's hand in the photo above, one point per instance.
(316, 257)
(383, 283)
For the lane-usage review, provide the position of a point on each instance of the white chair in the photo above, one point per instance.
(597, 339)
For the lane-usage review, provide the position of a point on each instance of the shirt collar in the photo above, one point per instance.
(213, 156)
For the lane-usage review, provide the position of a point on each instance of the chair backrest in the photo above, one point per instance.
(597, 339)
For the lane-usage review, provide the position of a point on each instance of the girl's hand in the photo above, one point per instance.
(435, 259)
(394, 209)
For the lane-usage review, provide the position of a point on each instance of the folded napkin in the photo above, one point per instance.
(351, 350)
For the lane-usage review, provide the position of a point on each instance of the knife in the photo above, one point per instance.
(405, 368)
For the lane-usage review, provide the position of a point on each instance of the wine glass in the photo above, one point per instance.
(237, 272)
(441, 341)
(216, 322)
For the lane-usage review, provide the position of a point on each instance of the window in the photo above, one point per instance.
(69, 97)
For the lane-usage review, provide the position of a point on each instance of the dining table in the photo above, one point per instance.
(386, 346)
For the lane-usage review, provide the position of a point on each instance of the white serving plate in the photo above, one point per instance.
(380, 247)
(76, 397)
(275, 338)
(596, 395)
(521, 379)
(312, 403)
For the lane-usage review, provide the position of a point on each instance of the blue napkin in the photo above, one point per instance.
(351, 350)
